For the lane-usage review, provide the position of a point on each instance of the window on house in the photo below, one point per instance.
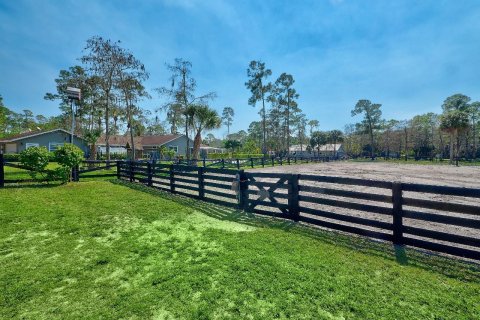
(29, 145)
(52, 146)
(174, 148)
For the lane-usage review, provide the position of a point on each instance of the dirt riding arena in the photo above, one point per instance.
(437, 175)
(466, 176)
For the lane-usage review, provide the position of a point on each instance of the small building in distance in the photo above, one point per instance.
(326, 150)
(145, 146)
(50, 139)
(300, 151)
(207, 150)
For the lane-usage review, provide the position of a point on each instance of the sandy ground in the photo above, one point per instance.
(408, 173)
(467, 176)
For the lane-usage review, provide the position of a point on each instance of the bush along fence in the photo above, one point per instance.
(402, 213)
(87, 169)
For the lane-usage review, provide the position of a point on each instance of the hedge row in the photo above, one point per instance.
(234, 155)
(15, 157)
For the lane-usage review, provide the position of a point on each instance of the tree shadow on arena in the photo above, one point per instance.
(449, 266)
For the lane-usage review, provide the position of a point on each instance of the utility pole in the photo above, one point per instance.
(73, 94)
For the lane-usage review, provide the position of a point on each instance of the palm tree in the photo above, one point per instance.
(202, 118)
(91, 136)
(455, 120)
(335, 136)
(319, 138)
(227, 117)
(313, 125)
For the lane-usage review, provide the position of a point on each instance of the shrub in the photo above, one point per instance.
(68, 156)
(113, 156)
(12, 157)
(36, 159)
(234, 155)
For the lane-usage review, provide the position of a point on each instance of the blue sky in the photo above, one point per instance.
(407, 55)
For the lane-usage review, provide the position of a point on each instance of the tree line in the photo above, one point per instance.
(112, 81)
(452, 134)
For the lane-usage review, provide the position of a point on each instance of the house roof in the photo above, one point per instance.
(298, 147)
(159, 140)
(140, 142)
(29, 134)
(331, 147)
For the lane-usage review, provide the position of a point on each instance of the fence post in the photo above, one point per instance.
(172, 179)
(288, 159)
(243, 190)
(238, 164)
(263, 162)
(273, 162)
(2, 171)
(149, 174)
(251, 162)
(118, 170)
(293, 197)
(201, 184)
(223, 163)
(204, 162)
(397, 213)
(130, 171)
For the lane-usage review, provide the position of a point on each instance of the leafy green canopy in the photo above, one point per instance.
(36, 159)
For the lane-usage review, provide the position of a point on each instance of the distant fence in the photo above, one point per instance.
(239, 163)
(101, 168)
(398, 212)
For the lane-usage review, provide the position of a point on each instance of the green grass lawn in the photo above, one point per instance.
(21, 174)
(109, 250)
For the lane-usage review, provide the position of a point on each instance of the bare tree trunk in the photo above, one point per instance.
(187, 152)
(452, 139)
(93, 151)
(288, 121)
(372, 151)
(264, 147)
(196, 144)
(107, 127)
(474, 139)
(132, 140)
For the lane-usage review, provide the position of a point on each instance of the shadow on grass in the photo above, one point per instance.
(30, 185)
(451, 267)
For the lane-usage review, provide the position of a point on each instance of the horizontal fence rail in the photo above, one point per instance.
(436, 218)
(371, 208)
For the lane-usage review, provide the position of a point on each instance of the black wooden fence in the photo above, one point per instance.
(237, 163)
(402, 213)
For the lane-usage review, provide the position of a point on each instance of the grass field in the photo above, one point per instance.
(21, 174)
(109, 250)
